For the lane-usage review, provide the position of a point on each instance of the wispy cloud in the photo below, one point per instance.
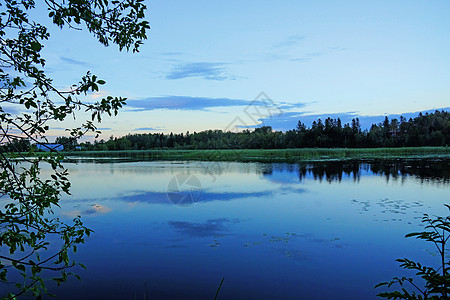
(198, 103)
(155, 197)
(175, 57)
(62, 128)
(184, 103)
(75, 62)
(205, 70)
(281, 51)
(95, 209)
(309, 56)
(290, 41)
(98, 95)
(286, 105)
(148, 129)
(172, 54)
(211, 227)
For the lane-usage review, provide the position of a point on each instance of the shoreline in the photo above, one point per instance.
(275, 155)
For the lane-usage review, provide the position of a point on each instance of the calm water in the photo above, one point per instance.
(173, 230)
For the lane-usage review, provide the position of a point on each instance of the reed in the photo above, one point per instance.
(287, 155)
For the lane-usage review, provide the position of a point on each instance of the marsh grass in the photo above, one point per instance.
(275, 155)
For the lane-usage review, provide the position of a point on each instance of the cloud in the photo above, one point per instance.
(99, 94)
(204, 196)
(176, 57)
(333, 49)
(184, 103)
(289, 120)
(301, 59)
(290, 41)
(212, 227)
(367, 121)
(172, 53)
(205, 70)
(148, 129)
(75, 62)
(202, 103)
(309, 56)
(62, 128)
(286, 105)
(11, 110)
(95, 209)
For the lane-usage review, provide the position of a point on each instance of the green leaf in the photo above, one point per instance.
(36, 46)
(20, 267)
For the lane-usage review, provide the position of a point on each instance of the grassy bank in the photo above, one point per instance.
(285, 155)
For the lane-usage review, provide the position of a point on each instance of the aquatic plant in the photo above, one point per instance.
(275, 155)
(218, 289)
(435, 282)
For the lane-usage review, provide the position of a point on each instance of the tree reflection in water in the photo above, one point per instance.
(332, 171)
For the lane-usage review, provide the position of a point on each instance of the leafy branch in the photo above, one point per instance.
(435, 282)
(32, 240)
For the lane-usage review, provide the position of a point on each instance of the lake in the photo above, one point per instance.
(173, 230)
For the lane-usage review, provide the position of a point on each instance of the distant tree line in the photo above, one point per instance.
(424, 130)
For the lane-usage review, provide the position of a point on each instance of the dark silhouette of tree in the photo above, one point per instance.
(27, 224)
(424, 130)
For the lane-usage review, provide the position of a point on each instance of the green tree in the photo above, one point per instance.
(28, 100)
(69, 143)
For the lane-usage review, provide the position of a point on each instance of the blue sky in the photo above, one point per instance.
(205, 62)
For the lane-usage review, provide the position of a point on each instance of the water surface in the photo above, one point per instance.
(173, 230)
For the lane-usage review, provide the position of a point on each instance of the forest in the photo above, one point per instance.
(424, 130)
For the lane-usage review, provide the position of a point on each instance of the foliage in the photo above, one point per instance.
(436, 282)
(424, 130)
(32, 241)
(69, 143)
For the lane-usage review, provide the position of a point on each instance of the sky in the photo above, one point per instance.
(231, 64)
